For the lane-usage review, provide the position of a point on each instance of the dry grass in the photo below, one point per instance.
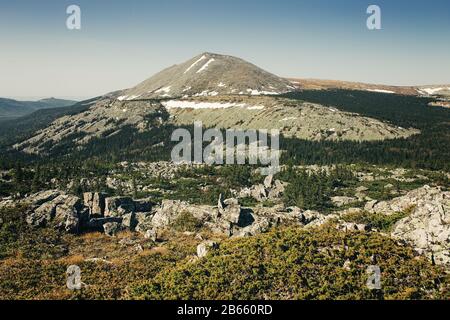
(93, 236)
(72, 260)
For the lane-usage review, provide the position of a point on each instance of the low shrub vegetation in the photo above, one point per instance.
(296, 264)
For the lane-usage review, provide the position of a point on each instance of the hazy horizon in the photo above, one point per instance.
(123, 43)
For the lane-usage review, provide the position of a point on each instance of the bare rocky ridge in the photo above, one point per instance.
(293, 119)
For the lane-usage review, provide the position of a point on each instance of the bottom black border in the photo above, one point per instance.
(234, 309)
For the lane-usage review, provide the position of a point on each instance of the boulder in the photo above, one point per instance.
(270, 189)
(151, 234)
(97, 223)
(129, 221)
(42, 197)
(361, 189)
(205, 247)
(277, 190)
(95, 201)
(259, 193)
(88, 197)
(268, 181)
(230, 211)
(342, 201)
(144, 220)
(370, 205)
(351, 226)
(244, 193)
(262, 225)
(312, 219)
(7, 203)
(418, 197)
(70, 213)
(118, 206)
(56, 209)
(111, 228)
(168, 212)
(427, 224)
(220, 203)
(220, 226)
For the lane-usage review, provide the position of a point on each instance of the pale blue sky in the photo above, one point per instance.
(122, 43)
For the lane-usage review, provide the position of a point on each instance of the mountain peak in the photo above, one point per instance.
(209, 74)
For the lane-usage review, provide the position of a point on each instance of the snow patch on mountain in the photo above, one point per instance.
(380, 91)
(433, 91)
(182, 104)
(195, 63)
(165, 90)
(179, 104)
(205, 66)
(254, 92)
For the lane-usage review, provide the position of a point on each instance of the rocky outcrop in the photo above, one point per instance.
(229, 210)
(170, 210)
(118, 206)
(260, 225)
(270, 190)
(427, 226)
(407, 202)
(57, 209)
(342, 201)
(69, 213)
(40, 198)
(95, 201)
(310, 218)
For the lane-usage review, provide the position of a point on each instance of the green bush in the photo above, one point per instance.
(186, 222)
(378, 221)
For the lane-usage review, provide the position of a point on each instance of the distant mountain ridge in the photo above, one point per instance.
(320, 84)
(10, 108)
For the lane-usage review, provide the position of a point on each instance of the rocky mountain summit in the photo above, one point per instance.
(209, 74)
